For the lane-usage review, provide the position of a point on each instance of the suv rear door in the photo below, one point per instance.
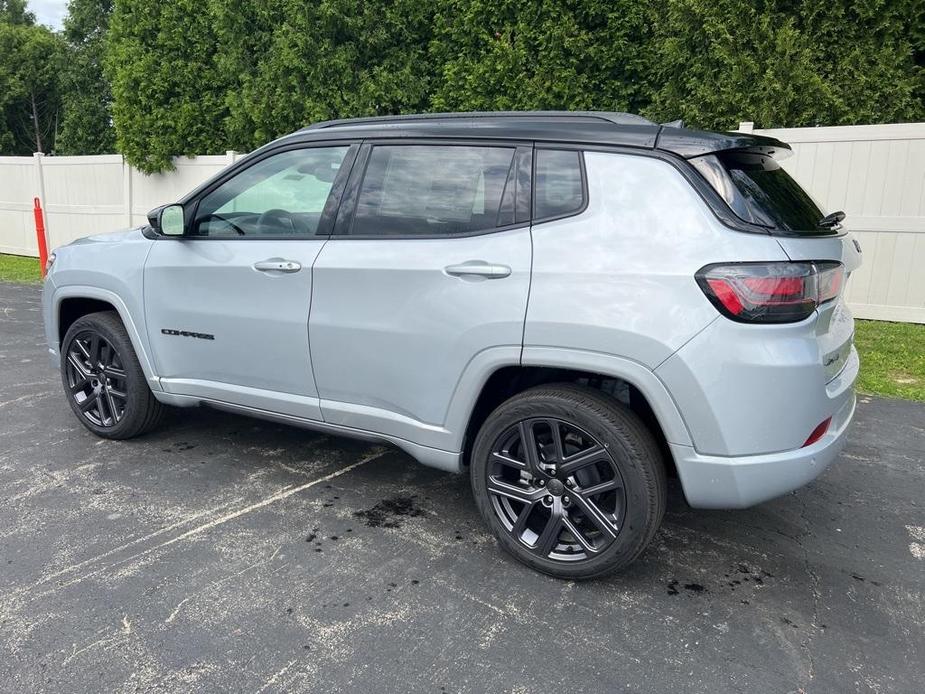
(423, 284)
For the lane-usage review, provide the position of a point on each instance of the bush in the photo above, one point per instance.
(200, 77)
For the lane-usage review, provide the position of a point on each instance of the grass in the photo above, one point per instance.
(892, 354)
(892, 358)
(16, 268)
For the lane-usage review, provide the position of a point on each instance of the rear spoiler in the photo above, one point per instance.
(697, 143)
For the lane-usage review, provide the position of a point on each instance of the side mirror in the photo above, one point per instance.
(168, 220)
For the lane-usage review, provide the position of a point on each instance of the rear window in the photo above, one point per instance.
(759, 191)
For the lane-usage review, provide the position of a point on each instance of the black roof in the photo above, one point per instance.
(578, 127)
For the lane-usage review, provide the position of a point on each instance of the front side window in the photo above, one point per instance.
(427, 190)
(558, 186)
(282, 195)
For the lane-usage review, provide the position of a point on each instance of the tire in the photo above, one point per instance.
(594, 500)
(103, 381)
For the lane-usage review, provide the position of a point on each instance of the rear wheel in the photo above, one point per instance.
(103, 380)
(570, 481)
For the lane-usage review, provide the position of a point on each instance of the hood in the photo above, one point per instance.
(133, 234)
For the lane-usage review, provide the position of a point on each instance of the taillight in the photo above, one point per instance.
(831, 279)
(771, 292)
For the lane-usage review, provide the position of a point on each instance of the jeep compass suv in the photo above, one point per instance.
(567, 306)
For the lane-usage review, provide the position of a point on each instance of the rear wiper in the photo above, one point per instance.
(832, 220)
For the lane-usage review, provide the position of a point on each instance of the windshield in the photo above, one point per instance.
(759, 191)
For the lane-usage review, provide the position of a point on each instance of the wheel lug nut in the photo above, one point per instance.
(552, 470)
(547, 500)
(564, 499)
(542, 483)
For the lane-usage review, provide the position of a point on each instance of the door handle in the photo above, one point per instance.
(278, 265)
(478, 268)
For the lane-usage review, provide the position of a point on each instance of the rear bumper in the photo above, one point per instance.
(742, 481)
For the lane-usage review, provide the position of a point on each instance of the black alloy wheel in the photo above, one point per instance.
(103, 380)
(96, 378)
(569, 479)
(556, 489)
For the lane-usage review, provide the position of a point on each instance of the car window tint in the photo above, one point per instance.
(426, 190)
(769, 195)
(282, 195)
(559, 190)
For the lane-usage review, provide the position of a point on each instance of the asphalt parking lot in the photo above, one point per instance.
(226, 554)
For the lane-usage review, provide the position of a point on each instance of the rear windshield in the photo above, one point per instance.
(759, 191)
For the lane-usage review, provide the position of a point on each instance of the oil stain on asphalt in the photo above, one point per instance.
(389, 513)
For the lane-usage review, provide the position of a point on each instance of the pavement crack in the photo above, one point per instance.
(125, 629)
(274, 678)
(806, 643)
(173, 615)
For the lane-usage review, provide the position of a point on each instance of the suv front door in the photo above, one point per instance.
(423, 285)
(227, 304)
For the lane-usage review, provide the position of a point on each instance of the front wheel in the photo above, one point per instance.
(103, 380)
(570, 481)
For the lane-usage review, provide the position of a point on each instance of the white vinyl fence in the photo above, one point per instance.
(876, 173)
(88, 195)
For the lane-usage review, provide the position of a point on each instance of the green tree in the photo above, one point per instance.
(866, 50)
(29, 100)
(86, 124)
(193, 77)
(168, 94)
(784, 63)
(300, 62)
(542, 54)
(15, 12)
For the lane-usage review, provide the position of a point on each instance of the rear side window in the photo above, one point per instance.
(425, 190)
(759, 191)
(558, 183)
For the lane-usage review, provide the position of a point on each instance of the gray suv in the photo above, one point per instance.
(567, 306)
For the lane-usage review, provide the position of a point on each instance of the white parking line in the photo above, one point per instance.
(269, 500)
(285, 493)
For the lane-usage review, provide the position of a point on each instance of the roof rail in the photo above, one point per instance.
(611, 116)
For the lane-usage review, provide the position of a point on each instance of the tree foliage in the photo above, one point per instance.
(168, 93)
(872, 52)
(538, 54)
(788, 63)
(29, 97)
(15, 12)
(86, 123)
(192, 77)
(299, 62)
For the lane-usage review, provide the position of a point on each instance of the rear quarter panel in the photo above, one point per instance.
(619, 278)
(751, 389)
